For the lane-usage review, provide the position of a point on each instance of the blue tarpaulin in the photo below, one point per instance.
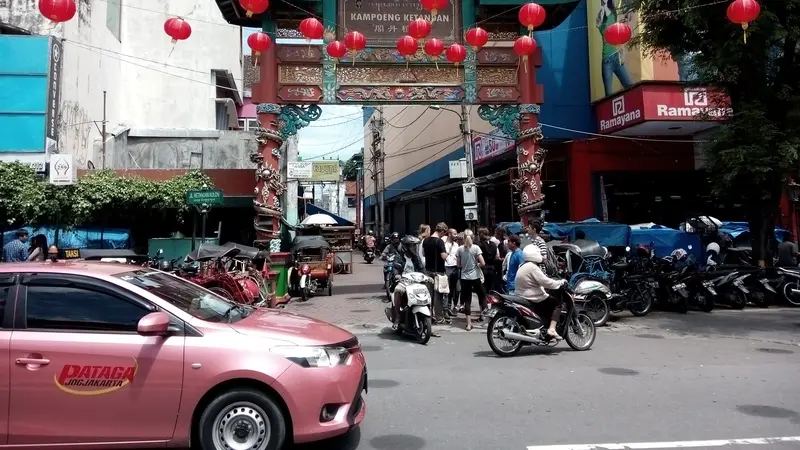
(664, 240)
(606, 233)
(314, 209)
(88, 237)
(737, 231)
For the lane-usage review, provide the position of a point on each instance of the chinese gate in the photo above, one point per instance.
(296, 78)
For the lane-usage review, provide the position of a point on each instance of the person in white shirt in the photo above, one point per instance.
(531, 283)
(451, 270)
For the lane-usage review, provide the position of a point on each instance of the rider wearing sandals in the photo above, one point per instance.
(531, 283)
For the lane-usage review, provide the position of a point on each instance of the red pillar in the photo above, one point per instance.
(269, 186)
(581, 202)
(530, 157)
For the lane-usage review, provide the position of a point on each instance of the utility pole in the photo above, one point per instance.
(466, 139)
(103, 132)
(382, 173)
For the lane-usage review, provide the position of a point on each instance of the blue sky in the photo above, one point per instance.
(338, 133)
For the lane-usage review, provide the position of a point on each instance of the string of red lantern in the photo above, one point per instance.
(355, 42)
(476, 38)
(434, 6)
(434, 49)
(531, 15)
(178, 29)
(57, 11)
(260, 43)
(456, 54)
(254, 6)
(311, 29)
(524, 47)
(742, 12)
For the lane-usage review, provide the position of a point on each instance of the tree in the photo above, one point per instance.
(752, 156)
(352, 167)
(23, 195)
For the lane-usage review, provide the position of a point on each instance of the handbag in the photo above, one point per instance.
(442, 284)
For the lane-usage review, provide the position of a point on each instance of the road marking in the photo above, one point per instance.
(673, 444)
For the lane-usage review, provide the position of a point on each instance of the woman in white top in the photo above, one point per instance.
(470, 261)
(424, 232)
(451, 270)
(531, 283)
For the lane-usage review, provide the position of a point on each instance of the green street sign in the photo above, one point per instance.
(205, 197)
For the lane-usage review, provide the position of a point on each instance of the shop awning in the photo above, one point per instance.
(314, 209)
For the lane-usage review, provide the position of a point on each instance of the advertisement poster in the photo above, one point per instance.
(611, 68)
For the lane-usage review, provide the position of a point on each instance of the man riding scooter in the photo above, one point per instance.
(393, 248)
(406, 261)
(369, 241)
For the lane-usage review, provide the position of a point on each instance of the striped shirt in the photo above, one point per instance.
(542, 245)
(15, 251)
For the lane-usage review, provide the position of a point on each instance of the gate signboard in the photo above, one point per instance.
(384, 22)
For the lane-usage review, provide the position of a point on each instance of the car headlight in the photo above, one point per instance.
(313, 356)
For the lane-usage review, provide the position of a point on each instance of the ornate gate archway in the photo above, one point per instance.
(296, 78)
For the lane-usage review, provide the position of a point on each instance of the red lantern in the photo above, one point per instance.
(477, 37)
(178, 29)
(311, 29)
(524, 47)
(419, 28)
(434, 6)
(57, 10)
(618, 34)
(355, 42)
(336, 50)
(531, 16)
(407, 46)
(743, 12)
(259, 42)
(456, 54)
(434, 49)
(254, 6)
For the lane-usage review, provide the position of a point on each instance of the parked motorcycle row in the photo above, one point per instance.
(638, 281)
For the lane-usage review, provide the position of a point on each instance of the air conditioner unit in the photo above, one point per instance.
(471, 213)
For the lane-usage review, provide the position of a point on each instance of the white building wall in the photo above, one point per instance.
(146, 86)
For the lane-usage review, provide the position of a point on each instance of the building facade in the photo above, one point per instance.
(620, 128)
(164, 106)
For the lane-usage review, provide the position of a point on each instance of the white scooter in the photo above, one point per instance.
(415, 317)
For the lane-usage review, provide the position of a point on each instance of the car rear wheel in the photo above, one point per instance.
(242, 419)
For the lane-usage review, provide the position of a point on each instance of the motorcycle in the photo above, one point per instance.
(513, 322)
(696, 287)
(415, 317)
(369, 255)
(790, 285)
(387, 277)
(593, 296)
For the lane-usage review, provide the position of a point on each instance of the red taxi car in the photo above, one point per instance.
(104, 355)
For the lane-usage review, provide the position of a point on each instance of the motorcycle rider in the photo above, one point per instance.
(369, 241)
(393, 248)
(530, 284)
(406, 261)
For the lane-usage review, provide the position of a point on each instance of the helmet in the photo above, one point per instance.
(713, 247)
(410, 240)
(642, 250)
(532, 253)
(165, 266)
(679, 254)
(369, 231)
(395, 236)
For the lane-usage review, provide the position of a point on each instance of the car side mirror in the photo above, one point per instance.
(153, 324)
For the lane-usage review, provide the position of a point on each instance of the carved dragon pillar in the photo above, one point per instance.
(278, 122)
(521, 122)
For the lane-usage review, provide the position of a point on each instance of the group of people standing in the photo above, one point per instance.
(462, 264)
(18, 249)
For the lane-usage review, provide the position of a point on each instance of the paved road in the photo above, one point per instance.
(665, 378)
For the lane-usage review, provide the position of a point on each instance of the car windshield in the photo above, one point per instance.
(187, 296)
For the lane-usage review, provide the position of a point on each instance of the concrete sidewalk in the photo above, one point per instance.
(366, 278)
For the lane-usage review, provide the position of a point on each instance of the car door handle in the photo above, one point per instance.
(32, 361)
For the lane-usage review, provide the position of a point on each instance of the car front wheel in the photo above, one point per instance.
(242, 419)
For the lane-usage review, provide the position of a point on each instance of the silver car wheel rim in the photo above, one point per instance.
(241, 426)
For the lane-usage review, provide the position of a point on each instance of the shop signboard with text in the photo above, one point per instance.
(325, 171)
(613, 69)
(383, 22)
(490, 145)
(662, 103)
